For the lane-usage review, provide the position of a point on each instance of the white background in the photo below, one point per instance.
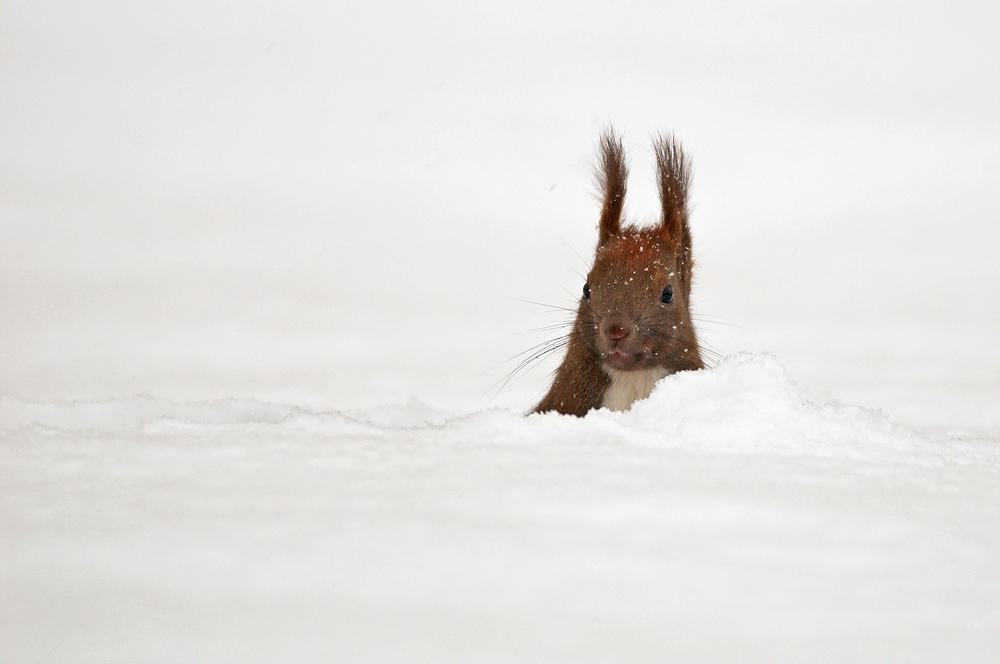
(347, 202)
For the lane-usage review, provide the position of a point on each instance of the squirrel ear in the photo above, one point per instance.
(612, 175)
(673, 170)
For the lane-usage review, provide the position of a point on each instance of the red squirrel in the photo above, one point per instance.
(633, 325)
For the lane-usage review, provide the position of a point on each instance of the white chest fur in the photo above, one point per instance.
(627, 387)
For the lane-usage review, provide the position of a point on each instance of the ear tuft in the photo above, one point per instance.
(673, 169)
(612, 176)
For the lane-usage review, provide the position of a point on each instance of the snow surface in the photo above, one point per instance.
(727, 517)
(235, 238)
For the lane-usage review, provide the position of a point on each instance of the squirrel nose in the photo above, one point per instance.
(615, 332)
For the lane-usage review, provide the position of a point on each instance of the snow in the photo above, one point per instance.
(725, 517)
(261, 267)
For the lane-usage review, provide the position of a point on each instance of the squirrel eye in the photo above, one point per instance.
(667, 296)
(586, 291)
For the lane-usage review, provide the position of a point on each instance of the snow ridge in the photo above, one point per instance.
(746, 404)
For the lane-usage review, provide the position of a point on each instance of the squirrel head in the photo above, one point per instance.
(634, 312)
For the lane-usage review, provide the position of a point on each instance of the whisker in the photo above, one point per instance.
(567, 292)
(561, 343)
(541, 304)
(534, 348)
(706, 321)
(706, 352)
(553, 346)
(582, 259)
(546, 328)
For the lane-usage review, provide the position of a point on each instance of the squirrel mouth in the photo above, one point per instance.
(619, 359)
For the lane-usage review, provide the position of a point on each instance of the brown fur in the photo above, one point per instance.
(612, 179)
(623, 324)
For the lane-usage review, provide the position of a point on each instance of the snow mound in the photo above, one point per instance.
(746, 404)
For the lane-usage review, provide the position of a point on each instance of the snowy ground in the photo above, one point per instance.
(725, 518)
(261, 268)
